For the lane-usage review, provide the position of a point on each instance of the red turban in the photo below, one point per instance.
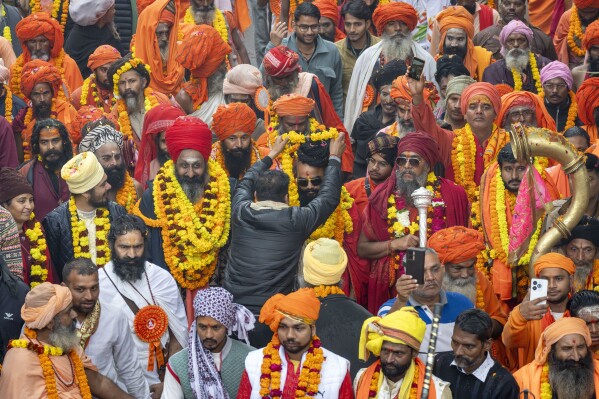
(103, 55)
(588, 99)
(591, 35)
(167, 16)
(422, 144)
(396, 11)
(457, 244)
(525, 99)
(280, 61)
(232, 118)
(300, 305)
(586, 3)
(293, 105)
(553, 259)
(188, 133)
(40, 24)
(480, 88)
(38, 71)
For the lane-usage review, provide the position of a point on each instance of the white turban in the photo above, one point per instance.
(88, 12)
(242, 79)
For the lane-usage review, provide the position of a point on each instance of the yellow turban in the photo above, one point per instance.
(44, 302)
(324, 262)
(401, 327)
(82, 173)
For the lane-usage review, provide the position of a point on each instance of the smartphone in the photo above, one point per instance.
(538, 289)
(414, 264)
(416, 68)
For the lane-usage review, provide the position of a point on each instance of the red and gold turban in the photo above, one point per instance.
(85, 115)
(232, 118)
(293, 105)
(43, 303)
(103, 55)
(395, 11)
(422, 144)
(280, 61)
(591, 35)
(38, 71)
(188, 133)
(588, 99)
(300, 305)
(40, 24)
(554, 260)
(480, 89)
(525, 99)
(457, 244)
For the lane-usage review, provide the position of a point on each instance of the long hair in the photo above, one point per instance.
(50, 123)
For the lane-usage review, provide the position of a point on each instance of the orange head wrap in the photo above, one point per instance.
(85, 115)
(553, 259)
(38, 71)
(456, 17)
(167, 16)
(142, 5)
(44, 302)
(581, 4)
(591, 35)
(293, 105)
(400, 89)
(395, 11)
(299, 305)
(103, 55)
(588, 99)
(232, 118)
(328, 9)
(525, 99)
(40, 24)
(480, 88)
(558, 330)
(457, 244)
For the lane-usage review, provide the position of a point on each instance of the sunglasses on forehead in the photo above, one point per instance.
(304, 181)
(403, 161)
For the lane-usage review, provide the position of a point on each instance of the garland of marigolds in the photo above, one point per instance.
(374, 382)
(192, 233)
(36, 6)
(127, 195)
(217, 155)
(218, 23)
(28, 118)
(8, 104)
(575, 33)
(546, 391)
(90, 83)
(309, 379)
(37, 249)
(81, 238)
(44, 352)
(572, 111)
(535, 74)
(323, 291)
(6, 31)
(17, 71)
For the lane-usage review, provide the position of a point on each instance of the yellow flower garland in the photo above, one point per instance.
(217, 155)
(127, 195)
(463, 160)
(38, 246)
(575, 33)
(323, 291)
(480, 298)
(546, 391)
(90, 83)
(535, 74)
(192, 234)
(80, 235)
(572, 111)
(6, 31)
(8, 104)
(339, 223)
(374, 382)
(17, 71)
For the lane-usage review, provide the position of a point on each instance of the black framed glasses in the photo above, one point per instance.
(403, 161)
(304, 181)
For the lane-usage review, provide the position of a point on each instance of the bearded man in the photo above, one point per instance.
(329, 19)
(520, 68)
(243, 84)
(144, 291)
(590, 67)
(578, 18)
(585, 305)
(417, 154)
(587, 97)
(581, 248)
(400, 93)
(42, 39)
(295, 353)
(525, 108)
(563, 363)
(558, 95)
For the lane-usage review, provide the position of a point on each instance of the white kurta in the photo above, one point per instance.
(208, 108)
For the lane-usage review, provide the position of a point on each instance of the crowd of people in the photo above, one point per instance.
(284, 199)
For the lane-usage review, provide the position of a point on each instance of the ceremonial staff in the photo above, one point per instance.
(430, 356)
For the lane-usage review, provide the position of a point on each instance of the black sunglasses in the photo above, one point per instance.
(303, 181)
(403, 161)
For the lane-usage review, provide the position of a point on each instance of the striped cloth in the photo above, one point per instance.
(10, 244)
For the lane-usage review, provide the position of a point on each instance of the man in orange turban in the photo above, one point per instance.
(400, 93)
(590, 43)
(563, 363)
(528, 320)
(587, 97)
(41, 38)
(526, 108)
(329, 19)
(235, 150)
(585, 12)
(294, 346)
(96, 86)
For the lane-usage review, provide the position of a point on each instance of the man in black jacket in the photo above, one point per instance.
(267, 236)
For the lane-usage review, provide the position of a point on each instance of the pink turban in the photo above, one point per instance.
(44, 302)
(515, 26)
(242, 79)
(557, 69)
(480, 88)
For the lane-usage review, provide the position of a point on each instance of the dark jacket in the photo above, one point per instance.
(365, 129)
(266, 244)
(84, 40)
(59, 237)
(12, 296)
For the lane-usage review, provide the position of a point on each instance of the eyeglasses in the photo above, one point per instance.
(403, 161)
(305, 28)
(375, 163)
(304, 181)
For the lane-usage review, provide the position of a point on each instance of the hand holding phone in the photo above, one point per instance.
(534, 305)
(416, 68)
(414, 264)
(538, 289)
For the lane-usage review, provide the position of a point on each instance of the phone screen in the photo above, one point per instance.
(414, 264)
(416, 68)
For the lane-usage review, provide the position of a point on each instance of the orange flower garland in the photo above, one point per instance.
(575, 33)
(127, 195)
(546, 391)
(323, 291)
(594, 280)
(217, 155)
(480, 298)
(572, 111)
(90, 83)
(8, 104)
(463, 160)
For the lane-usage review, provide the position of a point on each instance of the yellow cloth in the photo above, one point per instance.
(82, 173)
(324, 262)
(44, 302)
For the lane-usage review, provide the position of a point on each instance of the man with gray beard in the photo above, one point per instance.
(563, 364)
(581, 247)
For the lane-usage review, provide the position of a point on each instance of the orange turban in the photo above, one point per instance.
(38, 71)
(44, 302)
(142, 4)
(85, 115)
(40, 24)
(455, 17)
(232, 118)
(525, 99)
(591, 35)
(328, 9)
(301, 304)
(558, 330)
(586, 3)
(396, 11)
(167, 16)
(588, 99)
(103, 55)
(480, 88)
(553, 259)
(400, 89)
(293, 105)
(457, 244)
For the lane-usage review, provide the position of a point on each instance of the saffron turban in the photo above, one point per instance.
(587, 97)
(324, 262)
(40, 24)
(422, 144)
(167, 16)
(591, 35)
(87, 114)
(403, 326)
(293, 105)
(280, 61)
(232, 118)
(455, 17)
(43, 303)
(457, 244)
(581, 4)
(88, 12)
(525, 99)
(142, 5)
(188, 133)
(554, 260)
(329, 9)
(478, 89)
(99, 136)
(558, 330)
(301, 305)
(82, 173)
(4, 73)
(400, 91)
(395, 11)
(557, 69)
(13, 183)
(457, 85)
(103, 55)
(202, 51)
(514, 26)
(242, 79)
(38, 71)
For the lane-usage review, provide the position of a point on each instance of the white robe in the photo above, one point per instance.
(208, 108)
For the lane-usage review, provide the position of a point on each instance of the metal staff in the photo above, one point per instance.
(422, 200)
(430, 356)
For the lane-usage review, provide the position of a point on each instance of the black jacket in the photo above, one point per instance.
(59, 237)
(266, 244)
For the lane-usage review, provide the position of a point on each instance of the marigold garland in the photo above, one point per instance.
(480, 298)
(572, 111)
(36, 6)
(90, 83)
(8, 104)
(575, 33)
(593, 284)
(192, 233)
(6, 31)
(38, 272)
(339, 223)
(17, 71)
(463, 160)
(124, 122)
(546, 391)
(81, 238)
(26, 122)
(535, 75)
(323, 291)
(127, 195)
(217, 155)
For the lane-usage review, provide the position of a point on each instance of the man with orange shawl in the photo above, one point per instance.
(526, 108)
(588, 106)
(41, 38)
(294, 359)
(563, 364)
(395, 340)
(568, 38)
(590, 43)
(558, 95)
(329, 19)
(529, 319)
(204, 53)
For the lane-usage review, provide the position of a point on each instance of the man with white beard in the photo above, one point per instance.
(394, 22)
(581, 247)
(520, 68)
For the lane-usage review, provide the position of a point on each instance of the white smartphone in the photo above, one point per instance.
(538, 289)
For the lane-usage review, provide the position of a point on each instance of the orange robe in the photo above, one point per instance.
(357, 191)
(541, 13)
(105, 95)
(592, 131)
(560, 40)
(562, 183)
